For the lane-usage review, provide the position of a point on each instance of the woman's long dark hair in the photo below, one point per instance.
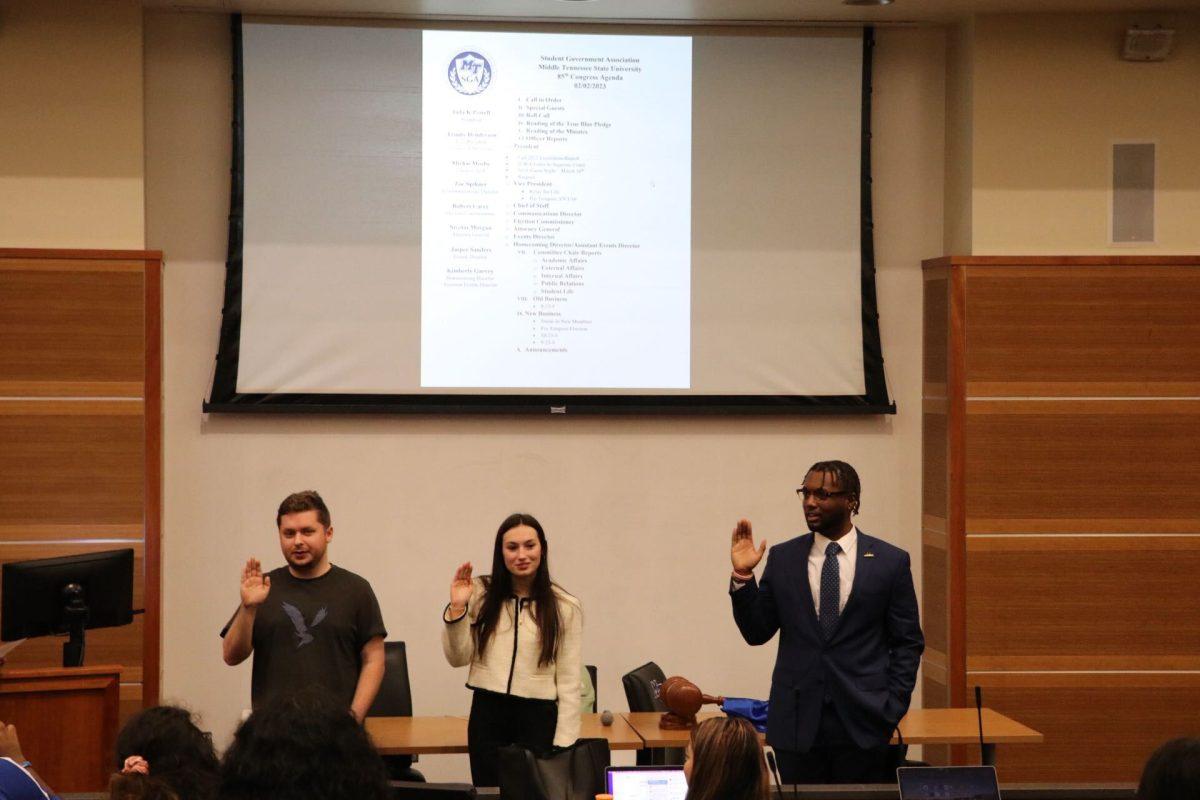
(180, 755)
(727, 762)
(498, 590)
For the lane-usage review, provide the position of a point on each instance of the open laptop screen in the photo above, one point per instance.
(948, 783)
(646, 783)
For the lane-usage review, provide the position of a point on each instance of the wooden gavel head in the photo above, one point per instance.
(683, 697)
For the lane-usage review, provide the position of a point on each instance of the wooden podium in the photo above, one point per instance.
(67, 721)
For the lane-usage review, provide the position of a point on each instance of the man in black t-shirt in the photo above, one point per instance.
(309, 623)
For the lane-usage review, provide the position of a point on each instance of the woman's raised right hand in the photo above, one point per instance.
(460, 589)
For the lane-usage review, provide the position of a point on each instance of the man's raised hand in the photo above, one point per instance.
(460, 588)
(255, 585)
(742, 553)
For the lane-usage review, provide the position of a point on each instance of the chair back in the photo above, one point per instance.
(409, 790)
(395, 695)
(591, 669)
(639, 687)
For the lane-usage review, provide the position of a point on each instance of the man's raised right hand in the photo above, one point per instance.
(742, 553)
(255, 585)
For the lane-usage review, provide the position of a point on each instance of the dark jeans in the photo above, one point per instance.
(500, 719)
(834, 758)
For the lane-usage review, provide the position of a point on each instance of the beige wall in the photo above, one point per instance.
(638, 511)
(71, 124)
(960, 69)
(1050, 96)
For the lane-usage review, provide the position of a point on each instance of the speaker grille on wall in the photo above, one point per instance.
(1143, 44)
(1133, 192)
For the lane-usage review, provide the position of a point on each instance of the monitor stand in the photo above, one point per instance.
(75, 614)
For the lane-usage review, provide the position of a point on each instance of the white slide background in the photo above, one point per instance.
(556, 210)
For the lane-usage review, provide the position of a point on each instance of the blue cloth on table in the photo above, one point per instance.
(753, 710)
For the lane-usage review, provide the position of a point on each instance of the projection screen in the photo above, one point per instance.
(534, 222)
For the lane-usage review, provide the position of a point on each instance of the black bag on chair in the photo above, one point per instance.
(570, 773)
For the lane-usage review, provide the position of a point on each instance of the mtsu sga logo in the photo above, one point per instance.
(469, 73)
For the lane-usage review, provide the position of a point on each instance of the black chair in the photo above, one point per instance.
(591, 668)
(395, 700)
(641, 693)
(419, 790)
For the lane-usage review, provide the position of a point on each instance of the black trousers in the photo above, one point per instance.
(834, 758)
(500, 719)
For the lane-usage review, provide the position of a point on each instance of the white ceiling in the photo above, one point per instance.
(678, 11)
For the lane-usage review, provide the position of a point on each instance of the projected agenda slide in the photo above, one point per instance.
(555, 211)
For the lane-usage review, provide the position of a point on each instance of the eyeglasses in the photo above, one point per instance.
(820, 494)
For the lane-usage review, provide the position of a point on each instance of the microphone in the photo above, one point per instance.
(775, 771)
(606, 718)
(979, 715)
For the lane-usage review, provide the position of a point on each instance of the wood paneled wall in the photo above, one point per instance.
(81, 429)
(1062, 508)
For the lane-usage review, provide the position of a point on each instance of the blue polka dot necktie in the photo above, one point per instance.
(830, 586)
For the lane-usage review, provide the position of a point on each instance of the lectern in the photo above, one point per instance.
(67, 721)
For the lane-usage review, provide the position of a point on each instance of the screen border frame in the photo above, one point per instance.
(224, 397)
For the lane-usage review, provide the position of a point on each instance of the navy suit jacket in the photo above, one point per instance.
(867, 668)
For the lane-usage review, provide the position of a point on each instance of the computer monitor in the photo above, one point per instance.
(50, 596)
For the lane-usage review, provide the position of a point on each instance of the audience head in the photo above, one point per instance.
(1172, 772)
(162, 755)
(135, 786)
(725, 762)
(302, 746)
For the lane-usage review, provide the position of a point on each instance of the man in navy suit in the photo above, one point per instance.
(850, 636)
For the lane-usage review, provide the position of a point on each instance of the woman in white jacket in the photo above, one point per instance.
(520, 633)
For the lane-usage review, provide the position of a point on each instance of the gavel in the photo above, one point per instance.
(682, 699)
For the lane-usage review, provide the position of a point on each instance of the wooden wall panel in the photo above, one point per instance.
(1059, 466)
(1098, 728)
(80, 422)
(1041, 602)
(71, 326)
(934, 473)
(936, 330)
(1072, 397)
(935, 593)
(71, 467)
(1034, 331)
(935, 500)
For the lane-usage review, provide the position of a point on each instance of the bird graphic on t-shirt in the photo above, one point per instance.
(302, 628)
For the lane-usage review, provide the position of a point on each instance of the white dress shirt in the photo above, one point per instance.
(816, 561)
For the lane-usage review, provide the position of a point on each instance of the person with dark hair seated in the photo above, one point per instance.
(725, 762)
(1172, 772)
(301, 746)
(162, 755)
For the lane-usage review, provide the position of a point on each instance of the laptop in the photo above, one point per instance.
(948, 783)
(645, 783)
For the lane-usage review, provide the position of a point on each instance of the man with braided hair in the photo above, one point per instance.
(850, 637)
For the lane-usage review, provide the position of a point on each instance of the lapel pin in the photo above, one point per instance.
(868, 554)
